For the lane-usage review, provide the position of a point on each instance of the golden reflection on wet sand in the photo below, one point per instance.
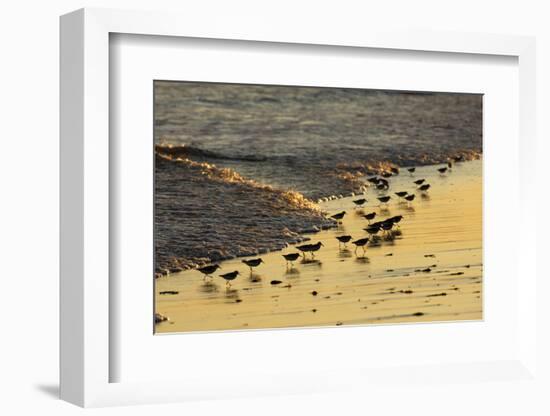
(431, 272)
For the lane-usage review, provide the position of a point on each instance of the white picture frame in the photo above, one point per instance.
(86, 356)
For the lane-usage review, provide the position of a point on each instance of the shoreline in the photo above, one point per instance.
(263, 218)
(431, 239)
(313, 219)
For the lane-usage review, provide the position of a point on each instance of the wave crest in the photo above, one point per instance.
(187, 151)
(228, 175)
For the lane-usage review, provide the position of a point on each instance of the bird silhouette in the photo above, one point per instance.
(309, 248)
(253, 263)
(372, 230)
(208, 270)
(359, 202)
(291, 257)
(370, 216)
(424, 187)
(343, 239)
(229, 277)
(338, 216)
(410, 197)
(362, 242)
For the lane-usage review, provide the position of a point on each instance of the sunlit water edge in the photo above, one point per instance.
(351, 289)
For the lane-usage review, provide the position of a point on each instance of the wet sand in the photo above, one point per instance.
(431, 272)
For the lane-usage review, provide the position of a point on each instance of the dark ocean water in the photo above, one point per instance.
(303, 138)
(312, 140)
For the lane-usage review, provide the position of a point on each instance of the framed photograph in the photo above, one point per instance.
(281, 213)
(286, 206)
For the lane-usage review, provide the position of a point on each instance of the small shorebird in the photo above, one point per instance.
(374, 180)
(359, 202)
(411, 170)
(229, 277)
(410, 198)
(338, 216)
(442, 170)
(343, 239)
(384, 183)
(253, 263)
(395, 171)
(401, 194)
(425, 187)
(387, 225)
(304, 248)
(372, 230)
(309, 248)
(386, 174)
(290, 258)
(449, 164)
(396, 220)
(362, 242)
(370, 216)
(315, 247)
(208, 270)
(419, 181)
(384, 199)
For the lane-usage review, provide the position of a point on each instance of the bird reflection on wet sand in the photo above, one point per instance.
(294, 272)
(345, 253)
(400, 262)
(231, 293)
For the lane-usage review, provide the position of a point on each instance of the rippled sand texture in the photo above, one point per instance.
(431, 272)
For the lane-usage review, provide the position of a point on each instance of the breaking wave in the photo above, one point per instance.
(187, 151)
(204, 213)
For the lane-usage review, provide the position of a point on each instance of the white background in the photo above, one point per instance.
(29, 209)
(137, 61)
